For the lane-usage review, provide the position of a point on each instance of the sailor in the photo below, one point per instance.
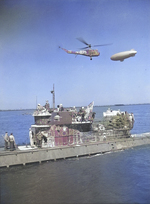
(83, 119)
(31, 138)
(132, 116)
(93, 115)
(57, 117)
(6, 138)
(47, 106)
(58, 108)
(61, 108)
(39, 137)
(104, 138)
(82, 113)
(40, 108)
(12, 142)
(131, 119)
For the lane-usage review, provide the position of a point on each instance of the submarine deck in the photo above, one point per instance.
(26, 155)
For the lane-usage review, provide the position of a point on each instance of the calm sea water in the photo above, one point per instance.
(119, 177)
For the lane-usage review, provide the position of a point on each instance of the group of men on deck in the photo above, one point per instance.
(9, 141)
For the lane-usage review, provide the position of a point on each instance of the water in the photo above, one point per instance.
(119, 177)
(18, 123)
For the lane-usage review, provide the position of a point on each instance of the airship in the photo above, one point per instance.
(123, 55)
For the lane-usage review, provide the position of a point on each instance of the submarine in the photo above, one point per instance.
(57, 141)
(62, 133)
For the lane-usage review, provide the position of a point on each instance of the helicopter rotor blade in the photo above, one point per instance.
(83, 41)
(83, 48)
(89, 45)
(102, 45)
(96, 46)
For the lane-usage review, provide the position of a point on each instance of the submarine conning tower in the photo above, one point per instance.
(65, 121)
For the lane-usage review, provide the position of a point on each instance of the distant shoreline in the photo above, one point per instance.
(80, 106)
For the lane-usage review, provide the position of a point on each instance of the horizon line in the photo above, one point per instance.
(79, 106)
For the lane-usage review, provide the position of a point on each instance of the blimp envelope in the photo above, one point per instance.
(123, 55)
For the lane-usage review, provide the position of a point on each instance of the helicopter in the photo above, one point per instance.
(86, 51)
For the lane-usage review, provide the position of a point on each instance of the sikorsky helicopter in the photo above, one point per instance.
(86, 51)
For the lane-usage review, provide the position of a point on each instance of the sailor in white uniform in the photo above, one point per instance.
(12, 142)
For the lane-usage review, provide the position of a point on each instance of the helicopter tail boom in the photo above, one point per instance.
(68, 51)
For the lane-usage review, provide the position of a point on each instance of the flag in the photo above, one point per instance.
(89, 109)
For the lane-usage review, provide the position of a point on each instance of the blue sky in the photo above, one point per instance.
(31, 61)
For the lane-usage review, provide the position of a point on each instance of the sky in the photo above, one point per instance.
(31, 60)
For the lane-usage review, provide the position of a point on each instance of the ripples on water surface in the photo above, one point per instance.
(119, 177)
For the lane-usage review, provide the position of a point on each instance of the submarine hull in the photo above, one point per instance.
(36, 155)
